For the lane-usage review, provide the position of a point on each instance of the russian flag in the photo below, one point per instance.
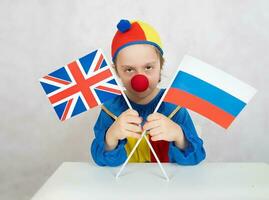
(208, 91)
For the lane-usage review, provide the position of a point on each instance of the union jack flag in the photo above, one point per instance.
(80, 85)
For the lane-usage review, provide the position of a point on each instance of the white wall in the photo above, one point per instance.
(38, 36)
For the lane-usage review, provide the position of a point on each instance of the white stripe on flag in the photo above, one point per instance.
(217, 78)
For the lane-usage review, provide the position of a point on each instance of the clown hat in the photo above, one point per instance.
(134, 32)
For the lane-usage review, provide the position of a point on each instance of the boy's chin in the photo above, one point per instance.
(142, 94)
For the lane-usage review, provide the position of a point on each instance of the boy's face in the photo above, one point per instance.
(139, 59)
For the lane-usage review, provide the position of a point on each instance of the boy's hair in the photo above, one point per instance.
(162, 60)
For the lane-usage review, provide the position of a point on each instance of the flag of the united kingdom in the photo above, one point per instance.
(80, 85)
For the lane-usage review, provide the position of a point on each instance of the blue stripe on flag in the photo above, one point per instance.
(79, 107)
(112, 81)
(48, 88)
(61, 74)
(104, 64)
(86, 61)
(208, 92)
(104, 96)
(60, 109)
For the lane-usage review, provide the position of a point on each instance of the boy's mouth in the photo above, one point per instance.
(139, 83)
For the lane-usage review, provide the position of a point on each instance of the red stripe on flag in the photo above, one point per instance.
(199, 105)
(64, 94)
(99, 77)
(109, 89)
(83, 86)
(98, 63)
(56, 80)
(66, 109)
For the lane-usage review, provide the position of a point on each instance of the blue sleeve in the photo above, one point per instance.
(100, 156)
(194, 152)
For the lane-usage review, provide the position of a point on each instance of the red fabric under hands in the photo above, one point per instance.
(161, 148)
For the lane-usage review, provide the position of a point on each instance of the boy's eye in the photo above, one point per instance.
(129, 70)
(148, 67)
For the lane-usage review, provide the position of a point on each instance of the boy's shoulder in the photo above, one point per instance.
(114, 100)
(116, 105)
(167, 108)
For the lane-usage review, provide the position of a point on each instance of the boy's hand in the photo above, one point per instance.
(161, 127)
(126, 125)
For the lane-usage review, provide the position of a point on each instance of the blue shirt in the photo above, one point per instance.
(191, 155)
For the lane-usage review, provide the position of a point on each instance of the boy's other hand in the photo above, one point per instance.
(161, 127)
(128, 124)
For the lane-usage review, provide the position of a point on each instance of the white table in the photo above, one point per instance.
(81, 181)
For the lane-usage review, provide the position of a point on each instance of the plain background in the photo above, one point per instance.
(37, 37)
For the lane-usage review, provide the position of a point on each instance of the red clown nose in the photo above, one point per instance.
(140, 83)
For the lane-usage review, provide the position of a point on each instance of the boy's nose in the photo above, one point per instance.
(139, 82)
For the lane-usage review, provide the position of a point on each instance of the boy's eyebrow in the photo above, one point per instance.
(127, 66)
(148, 63)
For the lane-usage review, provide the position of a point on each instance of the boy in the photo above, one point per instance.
(137, 55)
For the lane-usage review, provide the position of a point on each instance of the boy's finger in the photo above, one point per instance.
(155, 131)
(153, 117)
(133, 128)
(132, 112)
(133, 119)
(133, 135)
(151, 125)
(158, 137)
